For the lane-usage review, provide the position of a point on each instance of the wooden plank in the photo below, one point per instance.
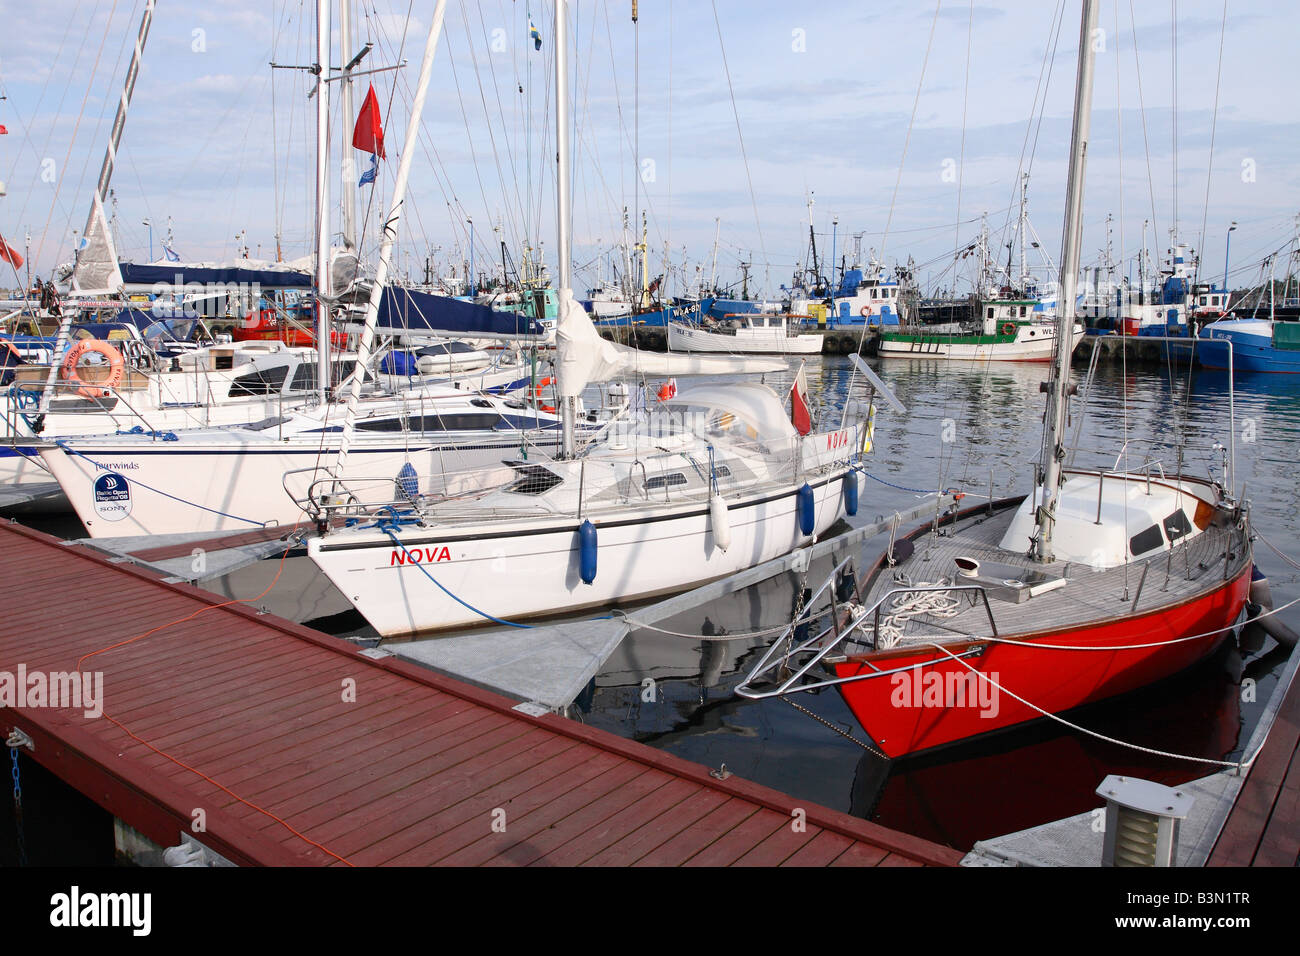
(659, 830)
(663, 800)
(701, 834)
(820, 851)
(736, 842)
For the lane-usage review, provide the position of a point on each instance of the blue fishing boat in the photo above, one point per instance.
(1258, 345)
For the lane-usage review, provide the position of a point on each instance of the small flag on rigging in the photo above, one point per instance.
(368, 135)
(369, 175)
(800, 412)
(532, 32)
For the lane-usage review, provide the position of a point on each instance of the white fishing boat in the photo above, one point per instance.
(714, 479)
(751, 333)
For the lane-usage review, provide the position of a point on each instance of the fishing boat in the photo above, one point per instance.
(1097, 584)
(1258, 345)
(761, 333)
(709, 481)
(1010, 330)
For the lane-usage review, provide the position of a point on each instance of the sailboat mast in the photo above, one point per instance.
(390, 233)
(1058, 386)
(347, 164)
(322, 199)
(568, 407)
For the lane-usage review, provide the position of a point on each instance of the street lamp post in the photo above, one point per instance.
(1227, 246)
(149, 223)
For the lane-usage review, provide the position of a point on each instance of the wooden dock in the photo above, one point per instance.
(1263, 827)
(291, 747)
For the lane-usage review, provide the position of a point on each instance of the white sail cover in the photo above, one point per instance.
(582, 356)
(96, 271)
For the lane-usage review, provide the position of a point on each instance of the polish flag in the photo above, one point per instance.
(10, 255)
(800, 412)
(368, 135)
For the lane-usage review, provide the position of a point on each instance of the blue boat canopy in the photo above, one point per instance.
(179, 274)
(406, 310)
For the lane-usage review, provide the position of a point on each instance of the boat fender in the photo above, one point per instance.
(851, 493)
(805, 508)
(587, 552)
(721, 522)
(1260, 592)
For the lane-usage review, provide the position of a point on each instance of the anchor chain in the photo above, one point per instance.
(20, 837)
(839, 730)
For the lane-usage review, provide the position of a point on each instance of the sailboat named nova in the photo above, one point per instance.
(711, 480)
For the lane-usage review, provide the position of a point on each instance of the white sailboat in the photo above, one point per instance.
(715, 479)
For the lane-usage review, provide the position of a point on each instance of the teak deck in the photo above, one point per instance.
(294, 748)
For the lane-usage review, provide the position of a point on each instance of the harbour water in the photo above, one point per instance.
(966, 424)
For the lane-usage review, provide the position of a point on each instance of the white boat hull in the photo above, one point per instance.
(1033, 343)
(683, 338)
(187, 487)
(652, 551)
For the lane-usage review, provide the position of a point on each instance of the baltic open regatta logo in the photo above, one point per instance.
(75, 908)
(917, 688)
(77, 690)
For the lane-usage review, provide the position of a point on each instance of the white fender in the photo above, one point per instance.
(721, 522)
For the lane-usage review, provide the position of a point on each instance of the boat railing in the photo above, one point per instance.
(787, 665)
(22, 407)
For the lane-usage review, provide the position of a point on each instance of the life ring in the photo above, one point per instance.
(864, 311)
(537, 389)
(116, 367)
(1008, 328)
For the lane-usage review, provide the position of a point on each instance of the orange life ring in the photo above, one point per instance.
(537, 389)
(1008, 328)
(547, 408)
(864, 311)
(116, 368)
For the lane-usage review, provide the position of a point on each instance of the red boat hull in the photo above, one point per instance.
(943, 702)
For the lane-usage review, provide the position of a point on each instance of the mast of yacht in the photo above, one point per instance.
(563, 251)
(1058, 386)
(96, 224)
(347, 169)
(390, 234)
(322, 200)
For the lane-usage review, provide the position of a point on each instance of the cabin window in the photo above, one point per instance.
(464, 421)
(990, 313)
(304, 379)
(261, 382)
(873, 293)
(1177, 525)
(665, 481)
(533, 480)
(1022, 311)
(1202, 300)
(1144, 541)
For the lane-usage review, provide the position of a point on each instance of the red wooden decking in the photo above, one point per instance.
(1263, 827)
(297, 749)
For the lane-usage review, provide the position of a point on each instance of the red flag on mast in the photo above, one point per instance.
(368, 136)
(800, 412)
(10, 255)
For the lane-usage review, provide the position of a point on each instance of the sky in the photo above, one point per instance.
(904, 123)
